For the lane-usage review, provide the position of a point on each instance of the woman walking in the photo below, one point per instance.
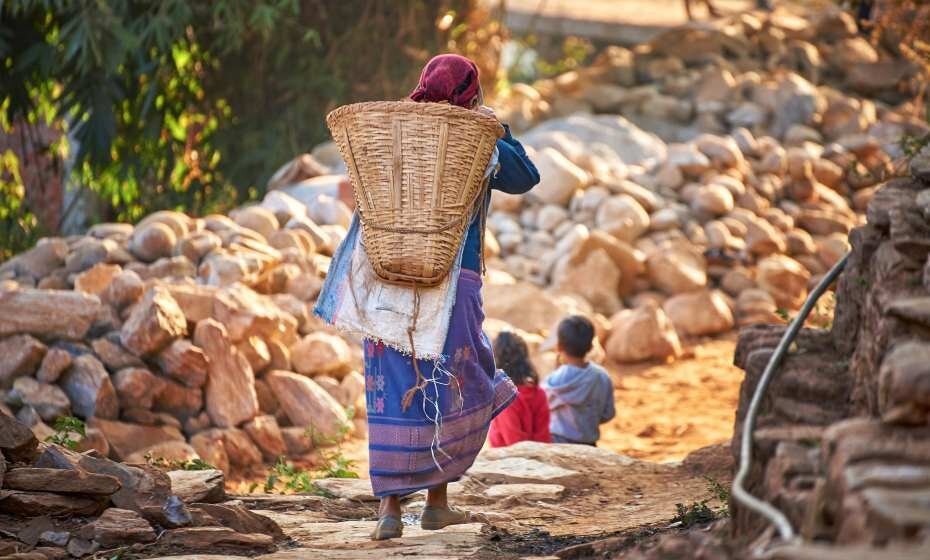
(427, 436)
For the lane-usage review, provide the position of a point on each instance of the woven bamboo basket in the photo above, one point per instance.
(417, 172)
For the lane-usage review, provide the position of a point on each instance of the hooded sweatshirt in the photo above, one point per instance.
(580, 400)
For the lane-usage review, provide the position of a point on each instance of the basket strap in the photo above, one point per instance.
(398, 163)
(474, 164)
(437, 190)
(440, 164)
(365, 200)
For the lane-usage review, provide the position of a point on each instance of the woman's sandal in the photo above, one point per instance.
(434, 518)
(388, 527)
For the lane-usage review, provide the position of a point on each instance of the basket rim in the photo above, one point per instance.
(491, 124)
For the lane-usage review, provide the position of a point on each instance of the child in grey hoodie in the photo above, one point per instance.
(581, 394)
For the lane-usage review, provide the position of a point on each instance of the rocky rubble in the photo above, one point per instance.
(768, 139)
(58, 503)
(842, 444)
(171, 338)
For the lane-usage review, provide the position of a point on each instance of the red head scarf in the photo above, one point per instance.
(448, 77)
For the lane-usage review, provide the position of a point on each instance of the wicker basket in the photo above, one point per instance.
(416, 171)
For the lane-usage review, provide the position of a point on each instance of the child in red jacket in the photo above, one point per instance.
(527, 418)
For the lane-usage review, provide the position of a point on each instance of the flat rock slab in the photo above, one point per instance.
(200, 557)
(199, 538)
(35, 504)
(348, 488)
(121, 526)
(521, 470)
(526, 491)
(60, 481)
(207, 486)
(358, 489)
(48, 313)
(562, 454)
(350, 540)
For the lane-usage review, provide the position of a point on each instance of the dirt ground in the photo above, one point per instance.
(665, 411)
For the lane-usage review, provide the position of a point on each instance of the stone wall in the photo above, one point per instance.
(843, 444)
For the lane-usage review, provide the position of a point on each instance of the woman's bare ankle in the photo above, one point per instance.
(389, 507)
(438, 497)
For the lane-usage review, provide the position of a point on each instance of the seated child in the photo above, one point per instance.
(527, 417)
(581, 395)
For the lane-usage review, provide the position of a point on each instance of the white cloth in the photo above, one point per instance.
(373, 309)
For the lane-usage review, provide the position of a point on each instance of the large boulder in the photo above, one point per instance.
(89, 388)
(19, 356)
(126, 438)
(523, 305)
(308, 405)
(596, 279)
(49, 401)
(152, 241)
(785, 279)
(559, 177)
(677, 269)
(257, 218)
(699, 313)
(321, 354)
(230, 391)
(623, 217)
(631, 144)
(17, 442)
(153, 324)
(643, 333)
(137, 387)
(47, 313)
(185, 362)
(266, 434)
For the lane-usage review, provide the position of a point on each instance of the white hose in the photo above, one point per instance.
(744, 498)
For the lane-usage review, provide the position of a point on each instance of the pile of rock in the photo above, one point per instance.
(183, 338)
(57, 503)
(773, 135)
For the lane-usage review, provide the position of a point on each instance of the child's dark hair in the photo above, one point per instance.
(512, 355)
(576, 334)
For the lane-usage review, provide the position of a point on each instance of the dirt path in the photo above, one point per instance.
(665, 411)
(629, 485)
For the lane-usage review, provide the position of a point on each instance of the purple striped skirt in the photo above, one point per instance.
(416, 448)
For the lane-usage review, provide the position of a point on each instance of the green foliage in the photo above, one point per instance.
(19, 228)
(821, 316)
(530, 65)
(285, 477)
(721, 493)
(700, 513)
(66, 429)
(177, 464)
(191, 105)
(334, 463)
(911, 145)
